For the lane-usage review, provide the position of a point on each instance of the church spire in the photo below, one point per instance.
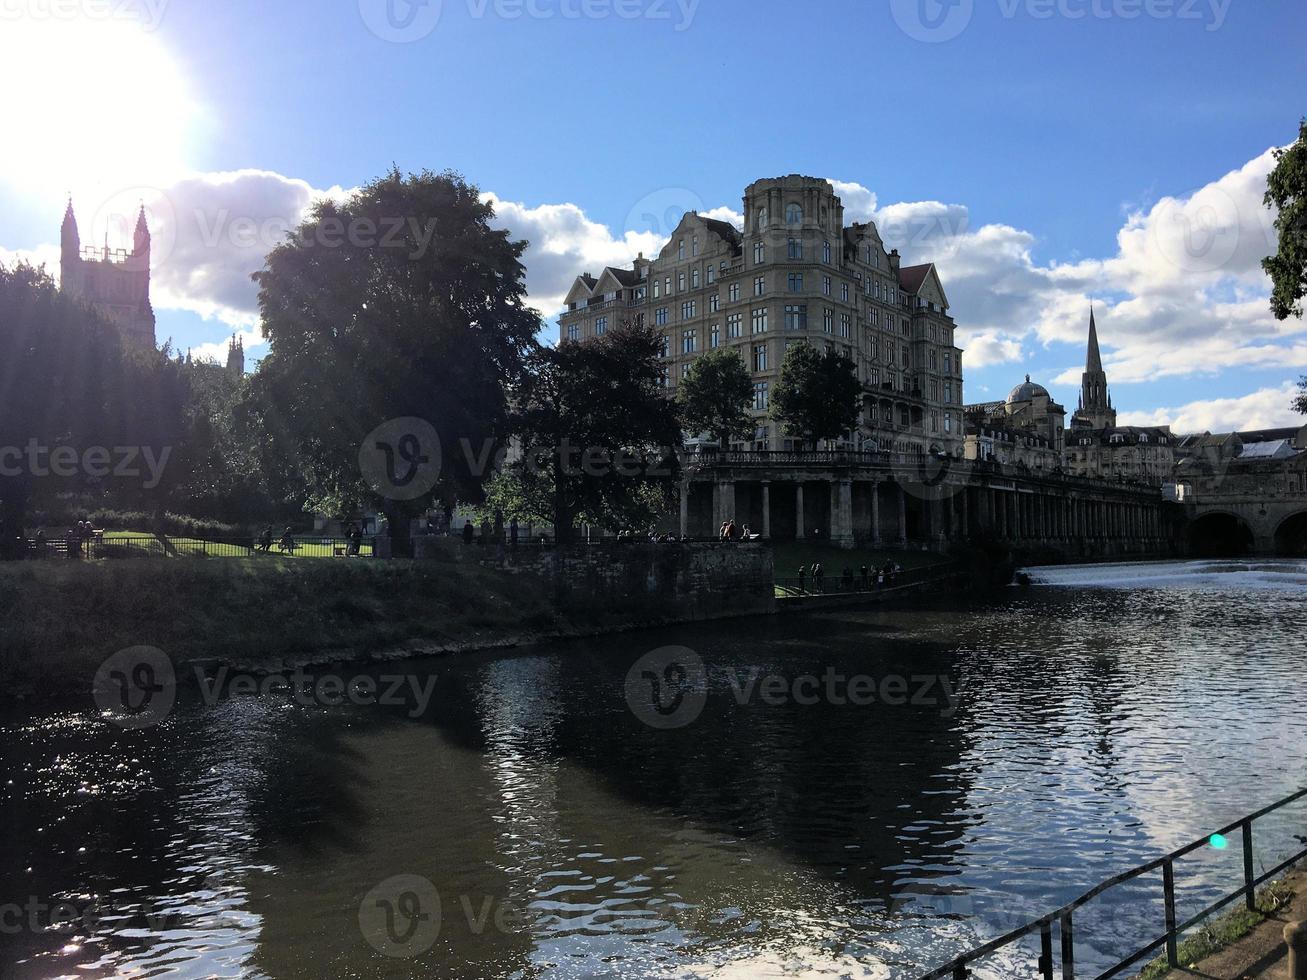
(70, 241)
(141, 238)
(1094, 362)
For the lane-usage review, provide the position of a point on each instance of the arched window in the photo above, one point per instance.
(762, 218)
(794, 215)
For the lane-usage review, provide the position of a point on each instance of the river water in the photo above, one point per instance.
(848, 794)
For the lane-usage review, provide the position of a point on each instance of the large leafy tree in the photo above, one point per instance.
(1300, 402)
(817, 395)
(715, 395)
(400, 302)
(597, 435)
(1286, 192)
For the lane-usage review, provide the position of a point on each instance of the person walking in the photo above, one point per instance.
(803, 576)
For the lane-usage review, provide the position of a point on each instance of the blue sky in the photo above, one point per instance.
(1043, 152)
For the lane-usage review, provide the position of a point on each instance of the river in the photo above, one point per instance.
(845, 794)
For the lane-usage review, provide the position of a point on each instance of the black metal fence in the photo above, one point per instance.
(1063, 920)
(876, 580)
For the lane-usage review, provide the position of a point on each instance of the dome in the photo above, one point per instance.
(1027, 392)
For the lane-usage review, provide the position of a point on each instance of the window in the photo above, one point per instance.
(794, 215)
(825, 252)
(762, 218)
(932, 360)
(948, 363)
(714, 302)
(828, 320)
(680, 250)
(796, 318)
(694, 278)
(662, 376)
(665, 349)
(660, 316)
(905, 327)
(685, 369)
(601, 325)
(735, 326)
(760, 357)
(948, 392)
(844, 291)
(639, 296)
(733, 292)
(712, 274)
(795, 248)
(825, 285)
(759, 320)
(846, 324)
(759, 253)
(714, 336)
(680, 282)
(688, 310)
(573, 331)
(948, 421)
(694, 245)
(760, 396)
(796, 282)
(667, 285)
(689, 341)
(760, 286)
(657, 289)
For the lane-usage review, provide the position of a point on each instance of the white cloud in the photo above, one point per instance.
(1266, 408)
(985, 349)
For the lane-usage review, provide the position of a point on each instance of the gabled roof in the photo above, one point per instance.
(582, 289)
(913, 279)
(724, 230)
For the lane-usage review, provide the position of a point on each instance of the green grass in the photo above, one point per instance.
(1225, 930)
(306, 546)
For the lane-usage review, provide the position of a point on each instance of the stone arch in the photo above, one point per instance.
(1291, 535)
(1220, 534)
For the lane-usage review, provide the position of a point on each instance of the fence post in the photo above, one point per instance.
(1068, 948)
(1295, 937)
(1168, 891)
(1046, 950)
(1249, 886)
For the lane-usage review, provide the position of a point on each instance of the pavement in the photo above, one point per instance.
(1261, 955)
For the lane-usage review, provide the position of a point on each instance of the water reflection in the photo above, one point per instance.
(1097, 726)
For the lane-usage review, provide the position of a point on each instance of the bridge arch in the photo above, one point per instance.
(1291, 535)
(1220, 534)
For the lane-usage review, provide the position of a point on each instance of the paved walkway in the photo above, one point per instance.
(1261, 955)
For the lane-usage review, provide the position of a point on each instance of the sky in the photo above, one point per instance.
(1045, 154)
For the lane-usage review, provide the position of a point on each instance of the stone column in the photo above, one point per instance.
(685, 509)
(875, 513)
(799, 531)
(842, 513)
(903, 513)
(717, 506)
(766, 509)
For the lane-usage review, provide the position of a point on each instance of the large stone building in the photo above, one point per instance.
(114, 281)
(795, 272)
(1097, 447)
(1025, 429)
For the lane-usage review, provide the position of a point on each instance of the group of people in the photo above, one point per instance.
(881, 578)
(654, 535)
(730, 531)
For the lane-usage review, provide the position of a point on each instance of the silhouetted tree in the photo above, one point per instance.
(818, 395)
(714, 396)
(1286, 191)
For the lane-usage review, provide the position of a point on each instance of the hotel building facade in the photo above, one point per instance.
(795, 273)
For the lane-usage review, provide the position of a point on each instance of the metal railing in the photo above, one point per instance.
(1064, 918)
(854, 584)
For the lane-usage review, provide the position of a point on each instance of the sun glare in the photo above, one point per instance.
(99, 106)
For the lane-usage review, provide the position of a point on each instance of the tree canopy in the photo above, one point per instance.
(597, 435)
(714, 396)
(1286, 191)
(400, 303)
(818, 395)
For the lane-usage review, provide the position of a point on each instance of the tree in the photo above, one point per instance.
(818, 395)
(1286, 192)
(400, 303)
(78, 412)
(597, 435)
(715, 395)
(1300, 402)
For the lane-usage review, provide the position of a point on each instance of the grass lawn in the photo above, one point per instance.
(306, 546)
